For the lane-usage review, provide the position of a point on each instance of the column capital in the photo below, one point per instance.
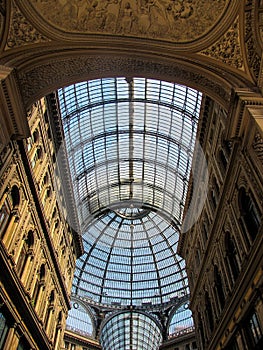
(13, 121)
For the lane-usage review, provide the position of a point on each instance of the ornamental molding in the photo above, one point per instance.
(228, 48)
(21, 31)
(40, 80)
(251, 44)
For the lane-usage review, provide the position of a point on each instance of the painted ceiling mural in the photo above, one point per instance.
(180, 21)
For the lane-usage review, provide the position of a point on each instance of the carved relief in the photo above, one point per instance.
(227, 49)
(178, 20)
(253, 56)
(21, 32)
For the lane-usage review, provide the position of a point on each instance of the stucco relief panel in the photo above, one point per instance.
(228, 48)
(21, 31)
(173, 20)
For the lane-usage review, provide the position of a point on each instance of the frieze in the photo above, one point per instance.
(60, 72)
(21, 31)
(173, 20)
(254, 59)
(227, 49)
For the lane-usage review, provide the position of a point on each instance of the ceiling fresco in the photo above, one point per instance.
(178, 21)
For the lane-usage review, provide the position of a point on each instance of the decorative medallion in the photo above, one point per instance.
(173, 20)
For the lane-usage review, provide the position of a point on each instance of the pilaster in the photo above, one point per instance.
(13, 124)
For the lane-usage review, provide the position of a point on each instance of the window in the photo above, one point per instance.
(232, 345)
(22, 345)
(4, 214)
(3, 329)
(39, 284)
(231, 256)
(223, 159)
(79, 319)
(250, 220)
(15, 196)
(209, 311)
(25, 252)
(219, 287)
(254, 331)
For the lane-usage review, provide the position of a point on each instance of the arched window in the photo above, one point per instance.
(4, 215)
(222, 159)
(35, 136)
(181, 321)
(249, 214)
(214, 194)
(37, 156)
(209, 311)
(50, 308)
(39, 283)
(205, 231)
(15, 196)
(25, 253)
(231, 256)
(79, 319)
(200, 327)
(218, 287)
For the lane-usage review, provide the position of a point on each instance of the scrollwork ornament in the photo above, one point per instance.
(21, 31)
(227, 49)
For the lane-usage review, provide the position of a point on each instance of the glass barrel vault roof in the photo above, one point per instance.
(130, 144)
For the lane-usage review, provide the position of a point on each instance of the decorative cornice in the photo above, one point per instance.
(21, 31)
(227, 49)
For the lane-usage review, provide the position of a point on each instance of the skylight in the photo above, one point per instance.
(130, 144)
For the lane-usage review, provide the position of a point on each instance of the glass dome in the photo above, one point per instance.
(130, 260)
(130, 144)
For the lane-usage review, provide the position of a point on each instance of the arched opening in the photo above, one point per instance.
(209, 312)
(231, 256)
(218, 288)
(15, 196)
(250, 219)
(26, 253)
(80, 319)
